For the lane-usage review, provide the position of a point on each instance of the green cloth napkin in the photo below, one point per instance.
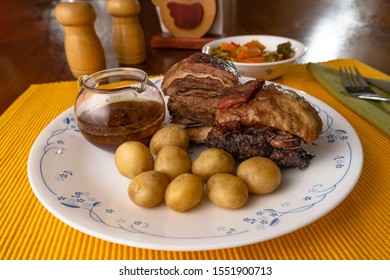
(375, 112)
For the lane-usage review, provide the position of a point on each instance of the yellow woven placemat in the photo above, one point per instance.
(357, 229)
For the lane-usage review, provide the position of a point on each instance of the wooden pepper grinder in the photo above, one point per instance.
(129, 41)
(83, 48)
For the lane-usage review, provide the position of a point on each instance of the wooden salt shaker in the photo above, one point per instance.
(83, 48)
(129, 41)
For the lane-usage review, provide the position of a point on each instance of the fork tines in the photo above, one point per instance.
(353, 81)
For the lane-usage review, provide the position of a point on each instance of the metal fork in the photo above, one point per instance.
(356, 85)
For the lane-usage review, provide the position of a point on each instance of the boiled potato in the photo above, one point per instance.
(227, 191)
(133, 158)
(173, 161)
(184, 192)
(213, 161)
(148, 188)
(260, 174)
(169, 136)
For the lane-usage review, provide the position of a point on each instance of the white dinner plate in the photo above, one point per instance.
(80, 185)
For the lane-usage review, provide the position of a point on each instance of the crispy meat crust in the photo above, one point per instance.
(277, 108)
(279, 146)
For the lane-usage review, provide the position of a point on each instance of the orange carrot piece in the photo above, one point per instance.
(251, 44)
(228, 47)
(255, 44)
(245, 53)
(259, 45)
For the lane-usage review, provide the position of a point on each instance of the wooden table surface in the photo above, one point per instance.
(32, 41)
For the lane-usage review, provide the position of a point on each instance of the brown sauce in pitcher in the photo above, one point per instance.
(116, 123)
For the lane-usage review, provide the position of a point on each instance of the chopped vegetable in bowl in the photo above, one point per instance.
(252, 52)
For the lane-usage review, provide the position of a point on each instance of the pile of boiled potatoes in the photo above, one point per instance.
(172, 176)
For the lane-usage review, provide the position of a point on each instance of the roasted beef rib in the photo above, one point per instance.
(272, 123)
(246, 120)
(194, 86)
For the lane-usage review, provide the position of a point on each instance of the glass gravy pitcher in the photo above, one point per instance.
(118, 105)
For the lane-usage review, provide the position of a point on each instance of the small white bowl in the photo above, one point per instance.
(265, 70)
